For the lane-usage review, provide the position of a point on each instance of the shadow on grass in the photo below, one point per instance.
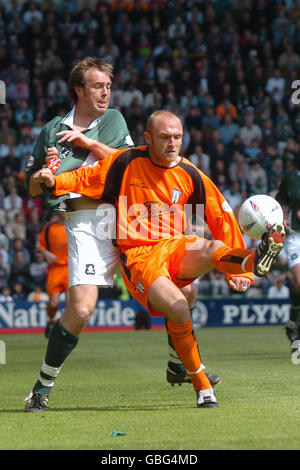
(106, 408)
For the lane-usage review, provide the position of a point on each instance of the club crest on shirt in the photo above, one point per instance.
(90, 269)
(66, 149)
(175, 195)
(140, 287)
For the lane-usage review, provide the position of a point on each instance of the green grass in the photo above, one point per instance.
(117, 381)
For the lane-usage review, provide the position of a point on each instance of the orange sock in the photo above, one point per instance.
(233, 260)
(186, 346)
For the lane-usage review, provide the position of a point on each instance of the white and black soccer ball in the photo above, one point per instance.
(257, 214)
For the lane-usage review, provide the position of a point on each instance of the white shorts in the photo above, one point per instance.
(92, 256)
(292, 249)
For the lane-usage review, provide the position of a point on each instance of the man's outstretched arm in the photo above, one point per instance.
(85, 181)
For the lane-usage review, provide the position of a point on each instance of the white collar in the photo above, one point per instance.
(68, 120)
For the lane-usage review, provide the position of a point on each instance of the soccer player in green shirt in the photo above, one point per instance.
(289, 198)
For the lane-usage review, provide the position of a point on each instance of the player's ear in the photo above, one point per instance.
(78, 90)
(147, 137)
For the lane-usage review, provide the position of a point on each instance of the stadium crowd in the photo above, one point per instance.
(227, 68)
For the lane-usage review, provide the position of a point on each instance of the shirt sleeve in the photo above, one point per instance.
(88, 181)
(37, 158)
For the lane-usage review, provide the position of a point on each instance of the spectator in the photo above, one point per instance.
(200, 159)
(234, 196)
(20, 270)
(5, 296)
(228, 129)
(16, 246)
(4, 272)
(275, 86)
(278, 290)
(37, 295)
(18, 293)
(13, 201)
(257, 178)
(250, 131)
(31, 13)
(226, 107)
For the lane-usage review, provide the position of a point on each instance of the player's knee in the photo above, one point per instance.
(179, 310)
(82, 314)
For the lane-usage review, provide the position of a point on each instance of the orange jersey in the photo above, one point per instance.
(53, 238)
(153, 201)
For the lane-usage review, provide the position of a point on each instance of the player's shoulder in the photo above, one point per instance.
(53, 123)
(113, 114)
(51, 223)
(190, 167)
(292, 177)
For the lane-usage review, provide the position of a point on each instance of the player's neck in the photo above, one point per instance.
(82, 118)
(164, 162)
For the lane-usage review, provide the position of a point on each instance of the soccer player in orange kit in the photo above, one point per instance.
(153, 187)
(52, 242)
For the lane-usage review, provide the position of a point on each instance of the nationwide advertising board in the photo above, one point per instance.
(112, 314)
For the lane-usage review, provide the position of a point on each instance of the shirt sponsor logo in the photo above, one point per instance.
(226, 207)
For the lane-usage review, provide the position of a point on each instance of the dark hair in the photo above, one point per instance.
(76, 77)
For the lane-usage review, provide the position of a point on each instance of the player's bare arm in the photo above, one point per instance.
(81, 140)
(34, 187)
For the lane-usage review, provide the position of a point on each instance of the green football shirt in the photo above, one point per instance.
(110, 129)
(289, 195)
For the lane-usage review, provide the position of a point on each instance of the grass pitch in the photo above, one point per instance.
(117, 381)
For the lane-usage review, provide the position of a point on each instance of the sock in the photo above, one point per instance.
(295, 305)
(233, 260)
(185, 343)
(61, 343)
(51, 313)
(173, 356)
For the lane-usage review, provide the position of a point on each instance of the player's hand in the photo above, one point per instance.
(239, 283)
(52, 152)
(50, 257)
(52, 159)
(44, 176)
(77, 137)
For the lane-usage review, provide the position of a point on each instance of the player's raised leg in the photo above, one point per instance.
(204, 255)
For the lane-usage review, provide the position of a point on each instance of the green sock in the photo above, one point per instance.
(61, 343)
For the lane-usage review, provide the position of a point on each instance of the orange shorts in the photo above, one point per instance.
(57, 279)
(142, 265)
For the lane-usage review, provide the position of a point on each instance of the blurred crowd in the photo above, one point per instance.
(227, 68)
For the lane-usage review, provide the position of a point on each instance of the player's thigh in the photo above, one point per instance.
(292, 250)
(197, 259)
(92, 257)
(190, 292)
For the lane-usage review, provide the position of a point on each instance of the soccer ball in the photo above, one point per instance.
(257, 214)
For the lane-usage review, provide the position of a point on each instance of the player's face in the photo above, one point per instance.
(96, 91)
(165, 140)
